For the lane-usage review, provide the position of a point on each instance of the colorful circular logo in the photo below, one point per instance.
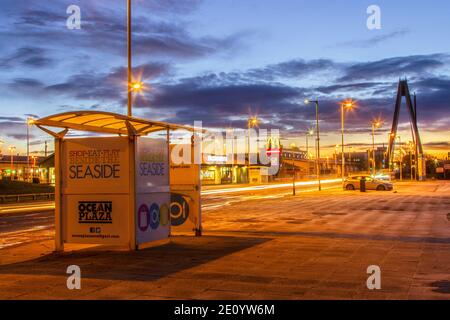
(179, 209)
(154, 216)
(143, 217)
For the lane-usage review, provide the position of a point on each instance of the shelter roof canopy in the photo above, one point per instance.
(105, 122)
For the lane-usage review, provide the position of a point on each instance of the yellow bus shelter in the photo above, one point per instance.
(113, 186)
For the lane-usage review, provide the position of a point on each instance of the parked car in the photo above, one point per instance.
(353, 183)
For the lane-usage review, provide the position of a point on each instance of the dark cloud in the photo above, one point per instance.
(103, 28)
(13, 127)
(18, 136)
(373, 41)
(110, 86)
(16, 119)
(27, 82)
(298, 68)
(419, 65)
(351, 87)
(31, 115)
(32, 57)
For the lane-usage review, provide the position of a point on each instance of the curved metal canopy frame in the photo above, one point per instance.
(103, 122)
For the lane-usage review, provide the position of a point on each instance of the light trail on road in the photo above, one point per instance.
(268, 186)
(28, 207)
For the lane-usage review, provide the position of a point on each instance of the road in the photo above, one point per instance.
(30, 222)
(317, 245)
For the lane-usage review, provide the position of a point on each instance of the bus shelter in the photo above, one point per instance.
(113, 183)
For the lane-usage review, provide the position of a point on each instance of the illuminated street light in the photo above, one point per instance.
(30, 122)
(11, 150)
(345, 105)
(335, 158)
(136, 86)
(316, 102)
(252, 122)
(293, 145)
(310, 132)
(410, 146)
(375, 124)
(401, 157)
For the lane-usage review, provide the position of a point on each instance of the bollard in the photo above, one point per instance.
(362, 184)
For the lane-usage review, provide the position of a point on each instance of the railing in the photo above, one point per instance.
(26, 197)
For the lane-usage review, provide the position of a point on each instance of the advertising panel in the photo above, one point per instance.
(185, 205)
(96, 218)
(95, 190)
(95, 165)
(152, 190)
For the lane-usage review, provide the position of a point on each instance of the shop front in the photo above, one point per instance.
(224, 174)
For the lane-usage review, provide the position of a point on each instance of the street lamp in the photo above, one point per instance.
(293, 168)
(410, 146)
(335, 159)
(310, 132)
(11, 150)
(345, 105)
(391, 156)
(316, 102)
(135, 86)
(251, 123)
(350, 151)
(401, 157)
(375, 124)
(30, 122)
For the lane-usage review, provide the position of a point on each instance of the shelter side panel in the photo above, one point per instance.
(96, 219)
(95, 165)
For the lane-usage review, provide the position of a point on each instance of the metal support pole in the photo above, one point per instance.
(28, 153)
(129, 68)
(335, 161)
(342, 143)
(373, 150)
(307, 154)
(401, 158)
(132, 241)
(59, 237)
(293, 176)
(318, 145)
(12, 163)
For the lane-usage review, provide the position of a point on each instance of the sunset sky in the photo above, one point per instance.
(220, 61)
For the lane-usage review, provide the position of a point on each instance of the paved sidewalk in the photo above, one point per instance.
(313, 246)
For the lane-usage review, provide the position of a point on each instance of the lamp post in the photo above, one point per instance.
(30, 122)
(350, 151)
(375, 124)
(316, 102)
(348, 104)
(293, 169)
(310, 132)
(129, 105)
(401, 157)
(335, 159)
(410, 145)
(131, 85)
(11, 150)
(251, 123)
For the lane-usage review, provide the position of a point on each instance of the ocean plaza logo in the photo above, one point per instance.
(95, 212)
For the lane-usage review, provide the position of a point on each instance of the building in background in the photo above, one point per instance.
(19, 168)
